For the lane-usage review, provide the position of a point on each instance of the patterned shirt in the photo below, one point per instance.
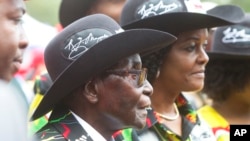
(62, 126)
(193, 129)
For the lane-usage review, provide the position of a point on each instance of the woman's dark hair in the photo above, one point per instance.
(153, 62)
(225, 77)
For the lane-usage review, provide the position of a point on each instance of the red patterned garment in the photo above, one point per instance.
(62, 126)
(193, 128)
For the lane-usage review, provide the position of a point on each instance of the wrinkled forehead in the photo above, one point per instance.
(133, 61)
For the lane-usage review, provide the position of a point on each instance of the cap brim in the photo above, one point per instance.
(98, 58)
(218, 55)
(246, 21)
(176, 23)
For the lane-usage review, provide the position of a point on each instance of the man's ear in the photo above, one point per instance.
(90, 92)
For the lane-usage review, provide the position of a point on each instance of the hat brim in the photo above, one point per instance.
(233, 56)
(246, 21)
(179, 22)
(98, 58)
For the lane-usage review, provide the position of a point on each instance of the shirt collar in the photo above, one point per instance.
(96, 136)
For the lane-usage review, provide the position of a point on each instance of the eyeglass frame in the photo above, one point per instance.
(141, 74)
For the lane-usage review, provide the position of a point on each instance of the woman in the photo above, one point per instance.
(176, 68)
(181, 68)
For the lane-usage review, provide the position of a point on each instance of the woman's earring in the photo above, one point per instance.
(158, 73)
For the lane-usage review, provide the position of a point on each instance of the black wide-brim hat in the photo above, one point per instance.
(231, 42)
(86, 48)
(177, 16)
(71, 10)
(246, 21)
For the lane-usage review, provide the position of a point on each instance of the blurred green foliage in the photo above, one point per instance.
(244, 4)
(45, 11)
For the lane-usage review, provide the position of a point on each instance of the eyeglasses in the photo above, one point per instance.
(141, 74)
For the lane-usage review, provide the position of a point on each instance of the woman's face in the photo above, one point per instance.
(122, 101)
(184, 66)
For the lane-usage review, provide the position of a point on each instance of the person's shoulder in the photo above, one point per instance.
(13, 113)
(5, 86)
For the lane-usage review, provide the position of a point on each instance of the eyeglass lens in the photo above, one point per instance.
(141, 74)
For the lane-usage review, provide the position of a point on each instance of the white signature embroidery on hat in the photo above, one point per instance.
(154, 9)
(194, 6)
(233, 35)
(119, 30)
(82, 45)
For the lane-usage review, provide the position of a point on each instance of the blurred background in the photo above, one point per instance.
(46, 11)
(41, 24)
